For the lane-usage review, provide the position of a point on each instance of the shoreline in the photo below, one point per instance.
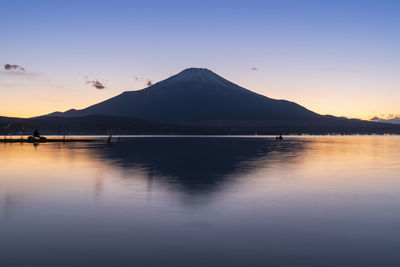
(11, 140)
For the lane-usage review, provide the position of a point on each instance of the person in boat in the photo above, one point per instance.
(279, 137)
(36, 134)
(36, 137)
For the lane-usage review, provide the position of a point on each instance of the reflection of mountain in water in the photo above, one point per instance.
(198, 165)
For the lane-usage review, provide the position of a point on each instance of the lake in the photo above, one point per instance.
(202, 201)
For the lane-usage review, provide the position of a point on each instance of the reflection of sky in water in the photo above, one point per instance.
(323, 201)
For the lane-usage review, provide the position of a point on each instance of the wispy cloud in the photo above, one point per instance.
(149, 83)
(375, 118)
(13, 67)
(95, 83)
(332, 69)
(15, 70)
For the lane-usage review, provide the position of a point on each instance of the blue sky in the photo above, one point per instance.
(334, 57)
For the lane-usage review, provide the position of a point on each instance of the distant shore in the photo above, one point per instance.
(58, 140)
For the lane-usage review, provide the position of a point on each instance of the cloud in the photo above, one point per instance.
(13, 67)
(96, 84)
(149, 83)
(137, 78)
(391, 116)
(254, 68)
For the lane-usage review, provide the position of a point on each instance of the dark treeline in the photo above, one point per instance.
(100, 125)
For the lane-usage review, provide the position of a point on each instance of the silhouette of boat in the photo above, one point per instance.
(36, 139)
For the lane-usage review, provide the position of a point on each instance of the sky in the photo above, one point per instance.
(338, 57)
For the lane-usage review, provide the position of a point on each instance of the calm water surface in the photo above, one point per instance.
(316, 201)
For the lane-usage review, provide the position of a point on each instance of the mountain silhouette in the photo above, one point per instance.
(195, 95)
(194, 101)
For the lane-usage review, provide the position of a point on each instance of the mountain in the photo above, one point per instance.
(195, 95)
(196, 101)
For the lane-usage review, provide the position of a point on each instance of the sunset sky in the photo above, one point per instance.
(333, 57)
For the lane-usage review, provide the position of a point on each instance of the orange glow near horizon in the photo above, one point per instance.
(26, 107)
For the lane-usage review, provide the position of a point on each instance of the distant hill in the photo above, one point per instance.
(394, 119)
(104, 124)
